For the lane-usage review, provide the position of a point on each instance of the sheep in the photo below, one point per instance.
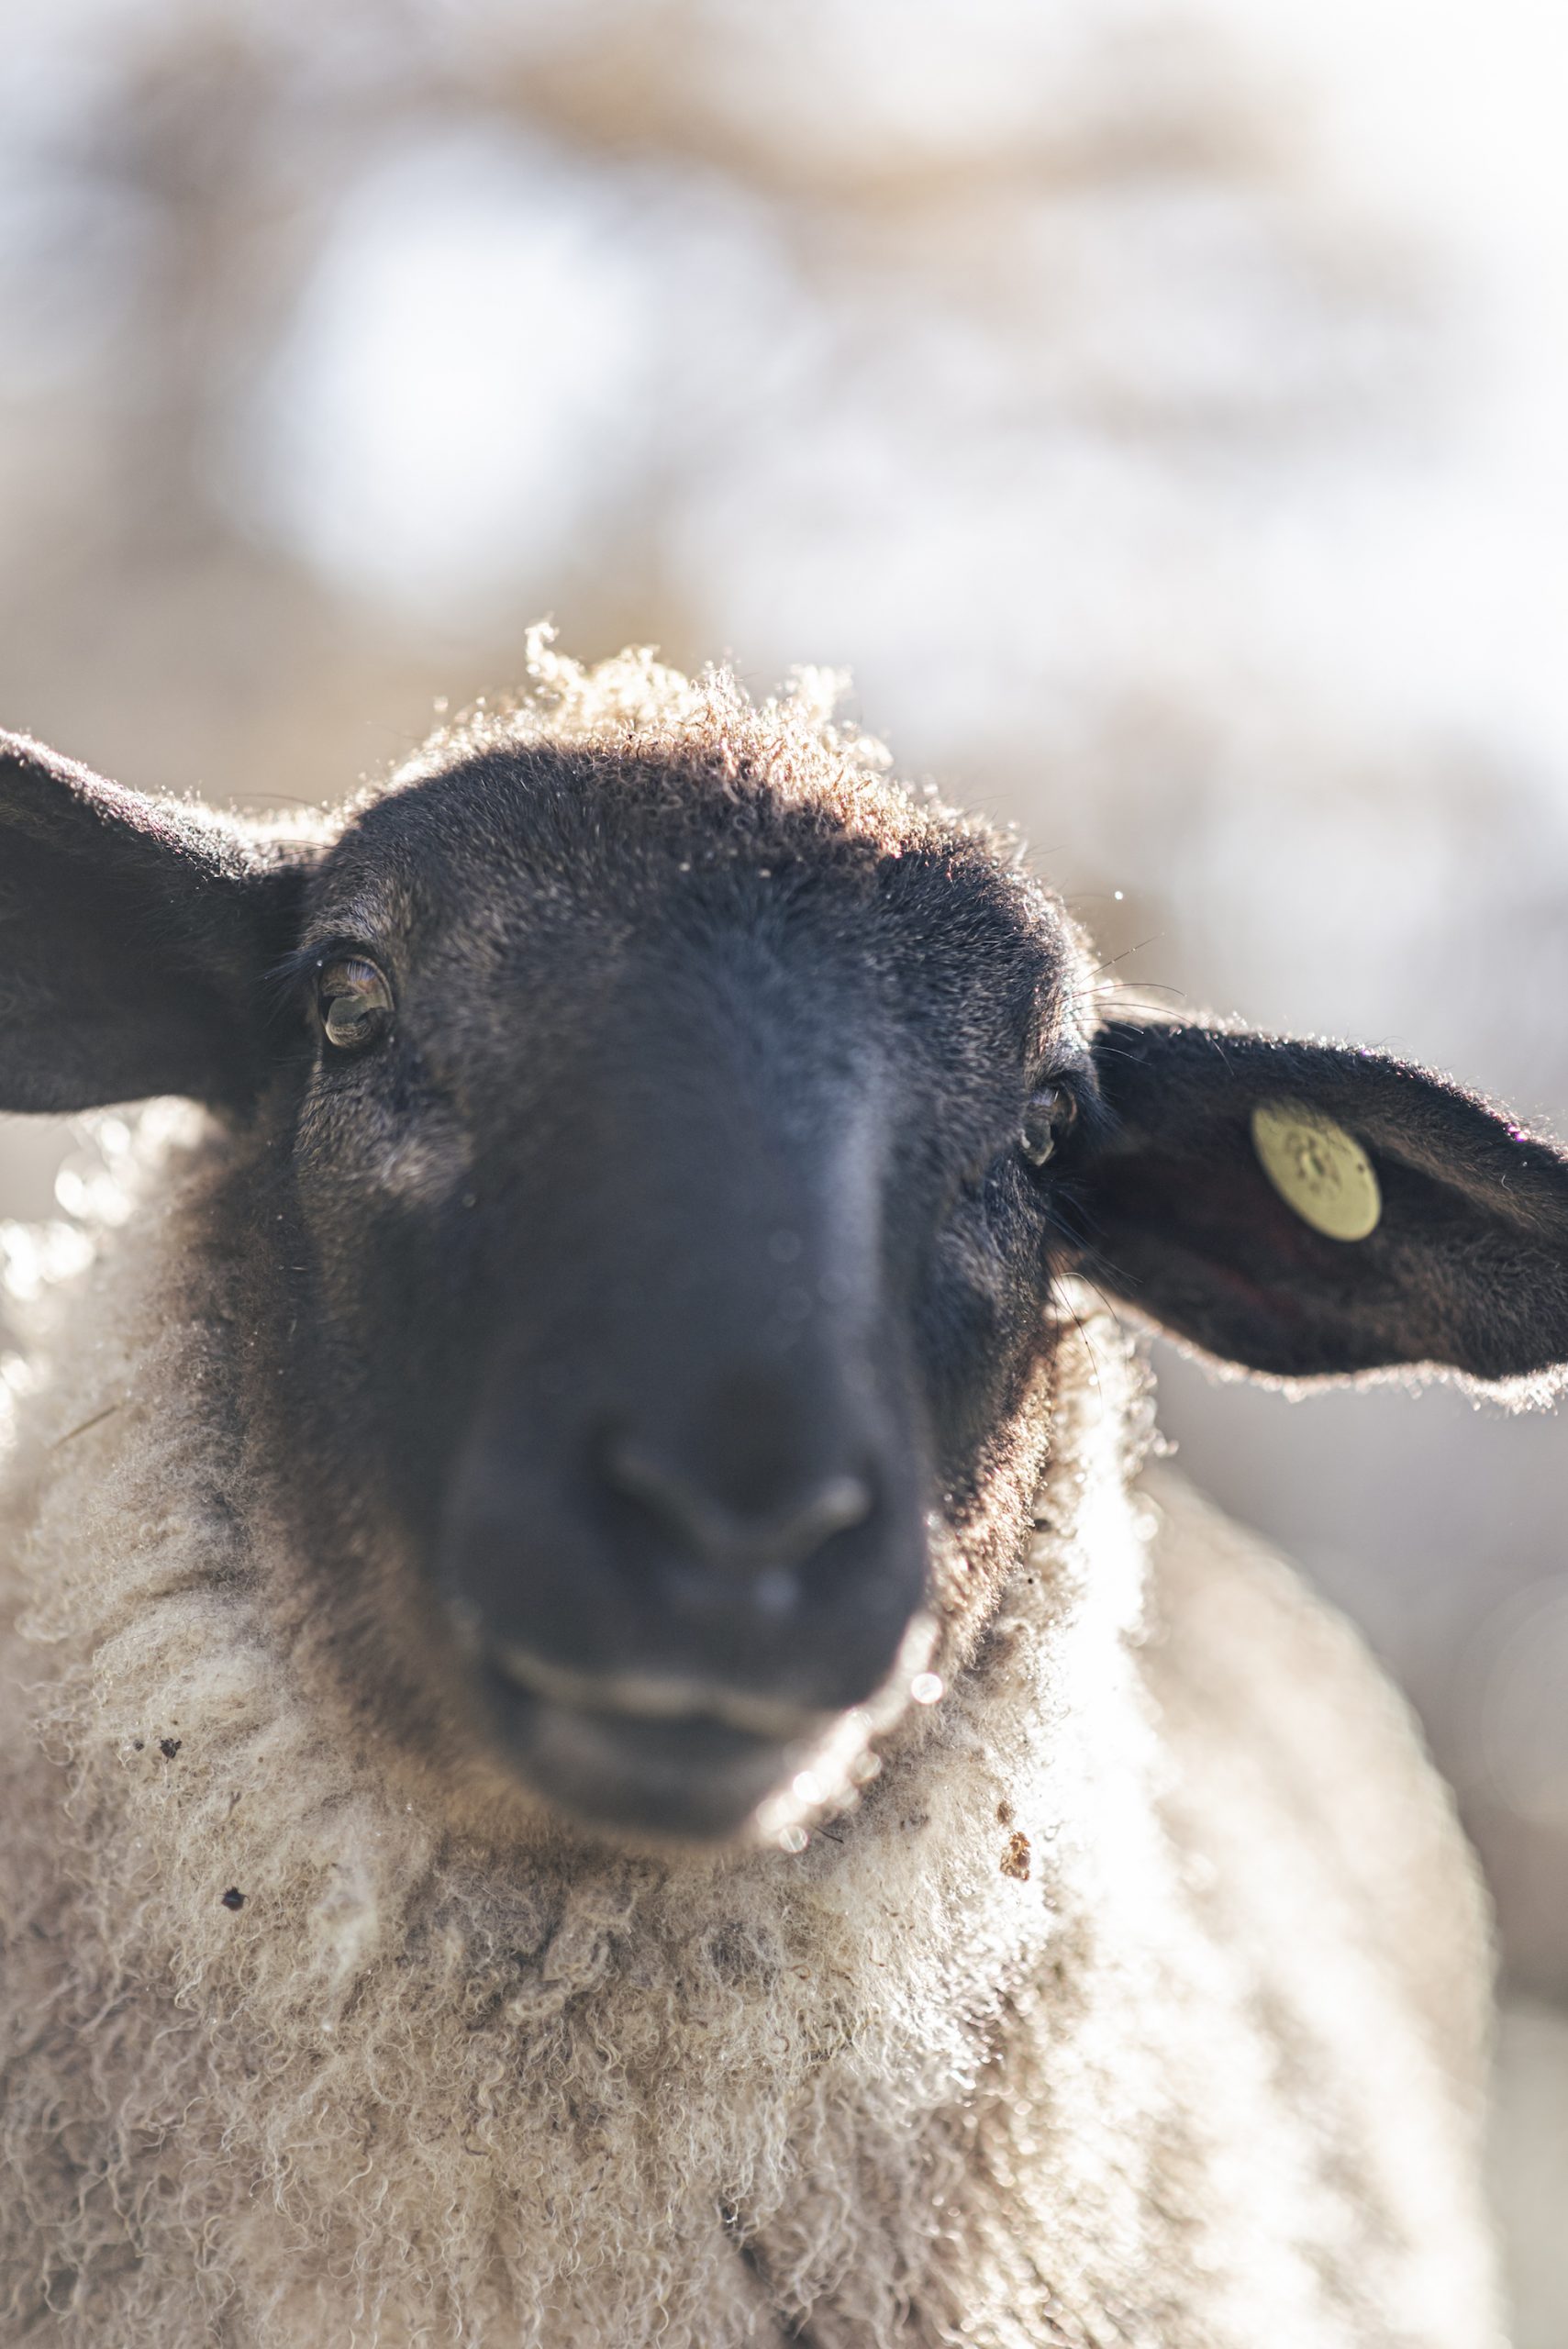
(609, 1739)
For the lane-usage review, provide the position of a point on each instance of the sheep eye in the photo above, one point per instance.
(1047, 1122)
(355, 1004)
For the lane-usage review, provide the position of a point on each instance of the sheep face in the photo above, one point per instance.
(674, 1172)
(656, 1142)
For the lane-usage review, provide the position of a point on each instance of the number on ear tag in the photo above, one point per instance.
(1317, 1168)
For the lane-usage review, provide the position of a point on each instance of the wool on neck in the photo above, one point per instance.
(410, 2079)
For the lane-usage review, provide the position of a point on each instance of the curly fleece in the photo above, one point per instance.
(1139, 2000)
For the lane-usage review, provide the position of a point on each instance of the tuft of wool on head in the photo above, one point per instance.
(633, 706)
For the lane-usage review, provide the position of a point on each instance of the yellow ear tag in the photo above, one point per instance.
(1317, 1169)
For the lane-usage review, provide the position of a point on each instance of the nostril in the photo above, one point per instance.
(766, 1544)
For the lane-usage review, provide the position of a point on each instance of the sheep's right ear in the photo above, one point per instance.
(1314, 1210)
(135, 939)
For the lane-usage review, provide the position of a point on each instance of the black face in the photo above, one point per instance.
(677, 1187)
(651, 1163)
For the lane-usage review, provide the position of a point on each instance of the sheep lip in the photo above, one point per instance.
(647, 1697)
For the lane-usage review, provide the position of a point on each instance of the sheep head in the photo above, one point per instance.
(658, 1149)
(664, 1143)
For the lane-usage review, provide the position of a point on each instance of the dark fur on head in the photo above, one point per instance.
(660, 1141)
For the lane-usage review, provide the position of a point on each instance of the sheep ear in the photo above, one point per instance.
(135, 936)
(1313, 1210)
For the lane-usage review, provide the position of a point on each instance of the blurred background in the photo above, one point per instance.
(1162, 408)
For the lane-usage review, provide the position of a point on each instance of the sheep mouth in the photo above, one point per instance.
(668, 1756)
(647, 1755)
(647, 1696)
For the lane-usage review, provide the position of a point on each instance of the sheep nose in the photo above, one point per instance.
(766, 1544)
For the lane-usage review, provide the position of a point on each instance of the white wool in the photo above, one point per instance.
(1192, 2079)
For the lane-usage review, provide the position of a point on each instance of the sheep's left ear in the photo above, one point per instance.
(135, 939)
(1314, 1210)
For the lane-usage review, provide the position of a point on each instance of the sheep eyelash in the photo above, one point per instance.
(290, 983)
